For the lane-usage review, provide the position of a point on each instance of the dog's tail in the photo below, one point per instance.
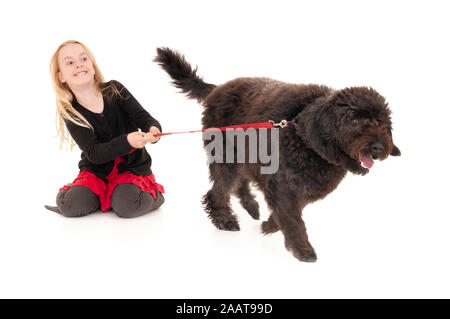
(184, 77)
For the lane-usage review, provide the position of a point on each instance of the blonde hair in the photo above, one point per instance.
(64, 96)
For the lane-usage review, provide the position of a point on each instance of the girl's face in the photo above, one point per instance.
(76, 68)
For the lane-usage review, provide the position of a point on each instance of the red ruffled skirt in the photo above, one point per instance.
(104, 191)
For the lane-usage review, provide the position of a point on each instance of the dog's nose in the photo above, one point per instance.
(377, 148)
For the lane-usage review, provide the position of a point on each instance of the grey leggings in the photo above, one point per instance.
(127, 201)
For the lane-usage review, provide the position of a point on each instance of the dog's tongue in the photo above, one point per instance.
(366, 160)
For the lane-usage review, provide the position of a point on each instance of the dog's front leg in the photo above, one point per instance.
(295, 236)
(286, 212)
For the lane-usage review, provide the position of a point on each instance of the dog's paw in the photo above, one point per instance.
(269, 227)
(227, 224)
(305, 255)
(254, 212)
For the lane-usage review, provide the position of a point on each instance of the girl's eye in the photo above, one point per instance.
(83, 59)
(355, 122)
(69, 62)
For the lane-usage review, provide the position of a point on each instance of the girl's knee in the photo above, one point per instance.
(77, 201)
(129, 201)
(159, 199)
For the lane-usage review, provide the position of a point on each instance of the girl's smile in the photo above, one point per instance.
(80, 73)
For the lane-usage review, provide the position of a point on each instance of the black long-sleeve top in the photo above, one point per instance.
(121, 115)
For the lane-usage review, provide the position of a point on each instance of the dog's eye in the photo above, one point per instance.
(355, 122)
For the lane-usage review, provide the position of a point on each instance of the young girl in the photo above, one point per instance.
(104, 120)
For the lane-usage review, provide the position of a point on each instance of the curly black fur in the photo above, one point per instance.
(337, 129)
(182, 74)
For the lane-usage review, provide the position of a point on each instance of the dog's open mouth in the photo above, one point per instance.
(366, 160)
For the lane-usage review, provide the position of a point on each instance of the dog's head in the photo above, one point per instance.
(351, 127)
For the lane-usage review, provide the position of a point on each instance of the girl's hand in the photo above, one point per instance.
(150, 136)
(137, 139)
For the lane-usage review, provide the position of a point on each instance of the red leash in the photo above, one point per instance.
(268, 124)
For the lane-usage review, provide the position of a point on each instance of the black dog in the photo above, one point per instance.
(337, 131)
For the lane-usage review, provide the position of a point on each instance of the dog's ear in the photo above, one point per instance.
(395, 151)
(315, 128)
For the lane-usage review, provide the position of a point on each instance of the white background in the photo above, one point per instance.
(385, 235)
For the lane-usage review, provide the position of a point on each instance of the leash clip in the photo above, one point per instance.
(282, 124)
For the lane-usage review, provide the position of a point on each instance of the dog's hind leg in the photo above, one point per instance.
(247, 199)
(269, 226)
(217, 200)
